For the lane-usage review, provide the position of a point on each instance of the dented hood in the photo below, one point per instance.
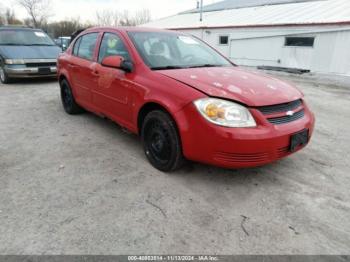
(234, 83)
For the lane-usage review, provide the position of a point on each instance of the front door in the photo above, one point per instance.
(111, 94)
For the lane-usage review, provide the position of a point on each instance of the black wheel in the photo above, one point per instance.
(68, 101)
(161, 141)
(3, 76)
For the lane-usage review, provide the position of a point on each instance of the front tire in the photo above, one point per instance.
(68, 101)
(161, 141)
(4, 78)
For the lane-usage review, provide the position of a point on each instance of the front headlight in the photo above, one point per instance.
(224, 113)
(14, 61)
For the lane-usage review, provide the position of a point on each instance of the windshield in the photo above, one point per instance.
(163, 50)
(24, 37)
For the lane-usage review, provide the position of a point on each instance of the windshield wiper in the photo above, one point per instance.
(26, 44)
(38, 45)
(167, 67)
(183, 67)
(205, 65)
(8, 44)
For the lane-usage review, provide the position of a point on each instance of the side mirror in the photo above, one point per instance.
(118, 62)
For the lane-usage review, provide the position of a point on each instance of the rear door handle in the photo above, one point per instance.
(95, 73)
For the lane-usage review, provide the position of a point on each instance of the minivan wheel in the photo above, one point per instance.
(3, 76)
(68, 101)
(161, 141)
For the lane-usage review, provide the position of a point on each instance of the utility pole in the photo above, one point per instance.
(201, 11)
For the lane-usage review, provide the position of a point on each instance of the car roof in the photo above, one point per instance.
(129, 29)
(19, 28)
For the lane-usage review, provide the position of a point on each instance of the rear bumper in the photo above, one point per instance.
(237, 147)
(23, 72)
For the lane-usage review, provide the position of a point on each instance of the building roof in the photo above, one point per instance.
(288, 14)
(235, 4)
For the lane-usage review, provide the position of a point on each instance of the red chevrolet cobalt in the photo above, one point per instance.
(183, 98)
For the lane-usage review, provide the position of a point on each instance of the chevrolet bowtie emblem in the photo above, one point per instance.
(290, 113)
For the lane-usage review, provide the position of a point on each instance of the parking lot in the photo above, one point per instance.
(81, 185)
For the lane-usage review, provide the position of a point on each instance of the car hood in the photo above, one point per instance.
(234, 83)
(30, 52)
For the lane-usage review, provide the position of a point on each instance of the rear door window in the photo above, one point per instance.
(87, 46)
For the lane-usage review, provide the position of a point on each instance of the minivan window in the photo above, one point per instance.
(112, 45)
(87, 46)
(25, 37)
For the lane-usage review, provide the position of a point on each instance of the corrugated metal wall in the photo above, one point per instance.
(266, 46)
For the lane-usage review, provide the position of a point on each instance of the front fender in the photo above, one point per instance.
(165, 92)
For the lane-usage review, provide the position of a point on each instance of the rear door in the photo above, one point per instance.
(81, 67)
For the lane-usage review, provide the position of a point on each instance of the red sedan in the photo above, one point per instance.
(183, 98)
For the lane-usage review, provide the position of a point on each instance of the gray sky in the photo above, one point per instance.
(86, 9)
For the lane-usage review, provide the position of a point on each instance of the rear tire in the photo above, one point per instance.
(161, 141)
(4, 78)
(68, 101)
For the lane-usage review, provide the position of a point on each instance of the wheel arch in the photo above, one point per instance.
(149, 107)
(177, 159)
(62, 77)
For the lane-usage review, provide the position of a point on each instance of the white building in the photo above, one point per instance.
(303, 34)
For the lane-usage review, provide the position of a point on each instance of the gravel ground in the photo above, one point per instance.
(81, 185)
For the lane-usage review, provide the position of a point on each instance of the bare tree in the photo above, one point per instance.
(2, 15)
(2, 19)
(122, 18)
(38, 10)
(63, 28)
(11, 19)
(108, 18)
(142, 17)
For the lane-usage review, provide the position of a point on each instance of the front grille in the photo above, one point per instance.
(277, 114)
(41, 64)
(239, 157)
(266, 110)
(287, 119)
(283, 151)
(255, 158)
